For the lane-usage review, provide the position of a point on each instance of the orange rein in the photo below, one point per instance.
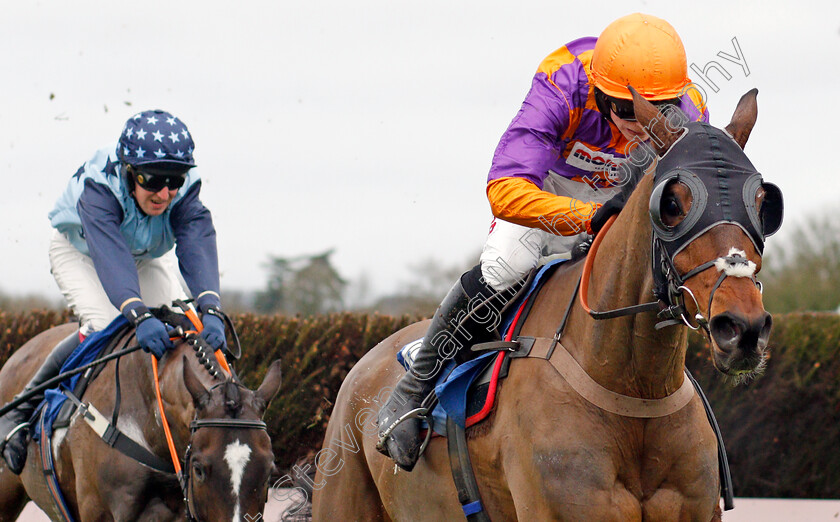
(220, 357)
(590, 260)
(173, 453)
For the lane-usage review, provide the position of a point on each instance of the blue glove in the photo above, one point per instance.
(152, 335)
(214, 331)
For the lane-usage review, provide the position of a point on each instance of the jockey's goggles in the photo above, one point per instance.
(624, 108)
(156, 182)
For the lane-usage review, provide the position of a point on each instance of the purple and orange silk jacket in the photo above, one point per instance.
(560, 132)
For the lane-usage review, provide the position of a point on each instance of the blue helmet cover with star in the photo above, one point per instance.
(155, 136)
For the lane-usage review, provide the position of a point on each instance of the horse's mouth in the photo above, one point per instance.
(742, 368)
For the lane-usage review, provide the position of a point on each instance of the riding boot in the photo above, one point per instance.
(15, 423)
(451, 329)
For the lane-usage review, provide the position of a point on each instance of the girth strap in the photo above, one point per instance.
(726, 490)
(463, 474)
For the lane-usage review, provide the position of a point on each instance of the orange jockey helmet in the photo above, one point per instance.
(643, 51)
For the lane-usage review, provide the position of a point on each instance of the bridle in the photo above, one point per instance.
(670, 307)
(185, 476)
(713, 168)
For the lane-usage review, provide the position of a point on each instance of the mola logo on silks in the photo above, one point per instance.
(584, 158)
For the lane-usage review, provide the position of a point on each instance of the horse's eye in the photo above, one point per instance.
(671, 207)
(198, 471)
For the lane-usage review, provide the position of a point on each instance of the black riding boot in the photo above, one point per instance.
(14, 426)
(446, 336)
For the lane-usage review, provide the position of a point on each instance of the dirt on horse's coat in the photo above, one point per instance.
(546, 453)
(101, 483)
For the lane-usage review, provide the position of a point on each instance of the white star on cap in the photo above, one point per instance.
(179, 154)
(136, 116)
(159, 153)
(158, 136)
(128, 132)
(173, 137)
(126, 151)
(140, 152)
(185, 134)
(151, 121)
(141, 134)
(170, 120)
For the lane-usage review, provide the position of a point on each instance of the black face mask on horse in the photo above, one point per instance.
(711, 165)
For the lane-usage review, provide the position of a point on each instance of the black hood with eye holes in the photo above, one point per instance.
(723, 185)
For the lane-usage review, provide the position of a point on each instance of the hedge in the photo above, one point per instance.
(782, 430)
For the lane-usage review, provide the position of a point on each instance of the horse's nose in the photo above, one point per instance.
(734, 332)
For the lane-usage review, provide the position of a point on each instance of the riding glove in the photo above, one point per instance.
(214, 331)
(152, 336)
(611, 207)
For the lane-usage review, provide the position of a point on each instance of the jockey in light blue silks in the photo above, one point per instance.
(121, 212)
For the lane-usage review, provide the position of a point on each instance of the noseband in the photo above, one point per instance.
(724, 186)
(195, 425)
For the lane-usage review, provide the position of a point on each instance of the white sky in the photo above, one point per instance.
(366, 126)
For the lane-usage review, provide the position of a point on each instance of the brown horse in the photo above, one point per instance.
(546, 453)
(227, 466)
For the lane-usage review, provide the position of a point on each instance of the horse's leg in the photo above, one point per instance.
(12, 495)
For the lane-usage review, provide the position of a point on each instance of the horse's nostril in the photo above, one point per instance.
(726, 330)
(764, 328)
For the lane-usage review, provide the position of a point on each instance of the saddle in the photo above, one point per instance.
(57, 410)
(466, 392)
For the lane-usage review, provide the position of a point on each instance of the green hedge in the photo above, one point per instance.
(781, 431)
(317, 353)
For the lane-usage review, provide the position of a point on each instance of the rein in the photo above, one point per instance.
(184, 478)
(674, 310)
(584, 284)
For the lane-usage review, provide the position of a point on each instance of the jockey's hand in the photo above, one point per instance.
(606, 211)
(214, 331)
(153, 337)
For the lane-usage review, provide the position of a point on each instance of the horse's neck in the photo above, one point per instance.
(177, 402)
(628, 354)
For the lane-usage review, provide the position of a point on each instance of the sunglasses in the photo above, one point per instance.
(156, 182)
(624, 108)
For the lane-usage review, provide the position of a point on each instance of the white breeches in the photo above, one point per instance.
(511, 251)
(78, 281)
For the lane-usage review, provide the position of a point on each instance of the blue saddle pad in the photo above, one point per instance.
(454, 382)
(85, 353)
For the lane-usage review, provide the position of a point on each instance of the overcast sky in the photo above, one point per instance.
(363, 126)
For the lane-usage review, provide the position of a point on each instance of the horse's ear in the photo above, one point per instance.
(743, 120)
(654, 122)
(197, 390)
(270, 385)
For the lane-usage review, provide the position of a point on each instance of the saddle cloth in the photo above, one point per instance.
(85, 353)
(467, 392)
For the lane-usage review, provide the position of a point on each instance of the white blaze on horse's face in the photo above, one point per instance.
(743, 269)
(237, 456)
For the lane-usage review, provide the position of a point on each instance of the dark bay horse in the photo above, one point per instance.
(546, 453)
(227, 467)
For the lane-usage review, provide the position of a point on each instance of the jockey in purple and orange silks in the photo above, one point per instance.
(553, 181)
